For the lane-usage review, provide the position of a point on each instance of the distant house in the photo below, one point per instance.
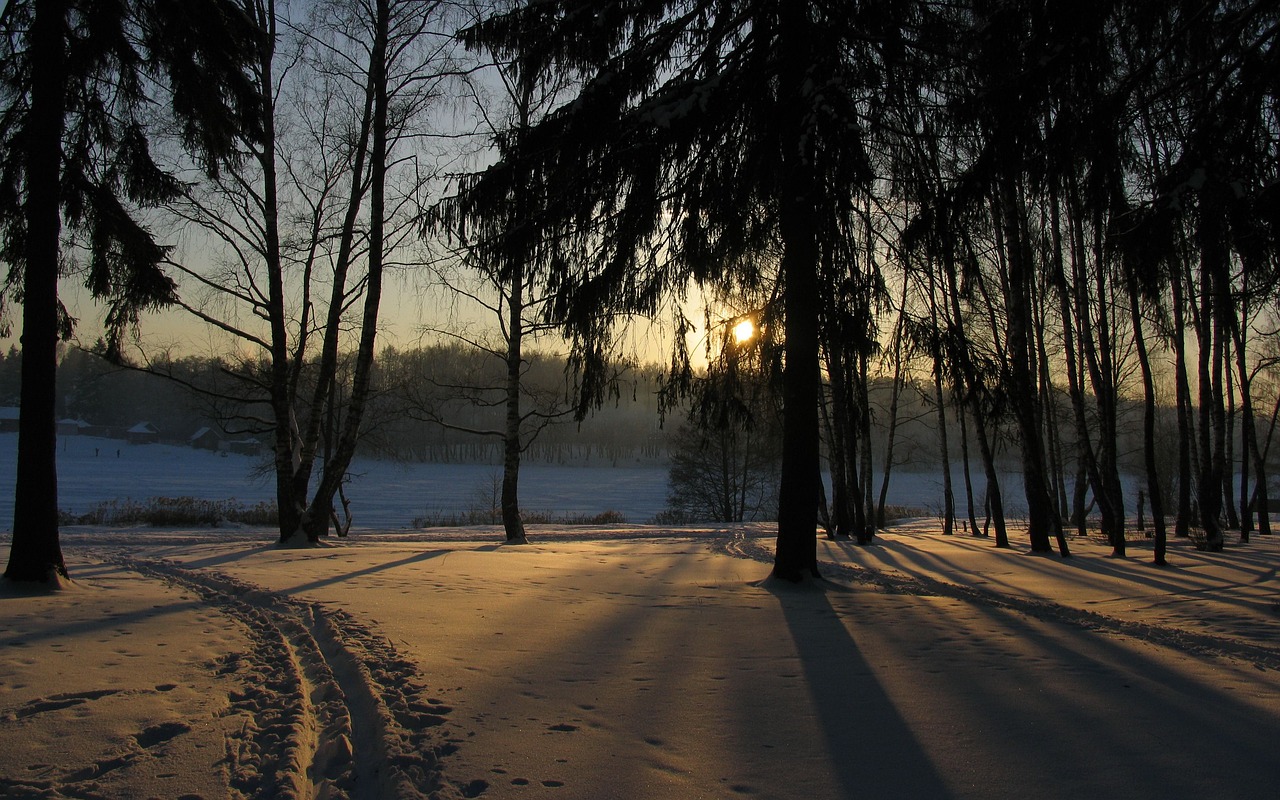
(244, 447)
(9, 419)
(143, 433)
(206, 439)
(103, 431)
(73, 427)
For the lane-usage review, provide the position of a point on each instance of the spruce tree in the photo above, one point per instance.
(79, 81)
(705, 132)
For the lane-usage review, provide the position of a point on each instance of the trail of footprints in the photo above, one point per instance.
(330, 709)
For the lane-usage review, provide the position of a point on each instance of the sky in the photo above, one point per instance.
(407, 308)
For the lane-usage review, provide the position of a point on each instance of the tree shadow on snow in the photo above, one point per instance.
(873, 752)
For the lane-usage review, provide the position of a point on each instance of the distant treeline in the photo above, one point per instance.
(430, 403)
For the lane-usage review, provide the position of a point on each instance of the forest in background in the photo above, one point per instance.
(429, 405)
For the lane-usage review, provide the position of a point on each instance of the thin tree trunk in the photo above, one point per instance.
(869, 521)
(962, 415)
(518, 260)
(311, 525)
(1055, 482)
(1252, 454)
(291, 486)
(1075, 375)
(1228, 433)
(975, 393)
(1041, 515)
(1150, 459)
(841, 482)
(939, 398)
(894, 397)
(1246, 457)
(1212, 418)
(334, 470)
(994, 495)
(838, 522)
(944, 451)
(511, 445)
(1095, 344)
(1182, 521)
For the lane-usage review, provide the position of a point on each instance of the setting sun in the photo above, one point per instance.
(743, 331)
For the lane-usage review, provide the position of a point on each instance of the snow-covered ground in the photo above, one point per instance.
(623, 661)
(638, 663)
(386, 495)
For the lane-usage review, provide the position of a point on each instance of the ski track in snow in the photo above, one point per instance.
(331, 709)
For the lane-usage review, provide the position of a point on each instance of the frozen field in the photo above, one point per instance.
(384, 495)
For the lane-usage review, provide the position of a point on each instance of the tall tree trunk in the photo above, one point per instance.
(520, 250)
(1251, 455)
(1182, 521)
(1246, 431)
(944, 450)
(1218, 419)
(797, 553)
(1095, 345)
(797, 546)
(1041, 515)
(317, 517)
(1154, 489)
(891, 435)
(35, 552)
(1213, 259)
(841, 524)
(511, 444)
(314, 519)
(995, 497)
(869, 520)
(1075, 371)
(962, 417)
(1229, 430)
(291, 495)
(975, 396)
(292, 472)
(1055, 482)
(937, 318)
